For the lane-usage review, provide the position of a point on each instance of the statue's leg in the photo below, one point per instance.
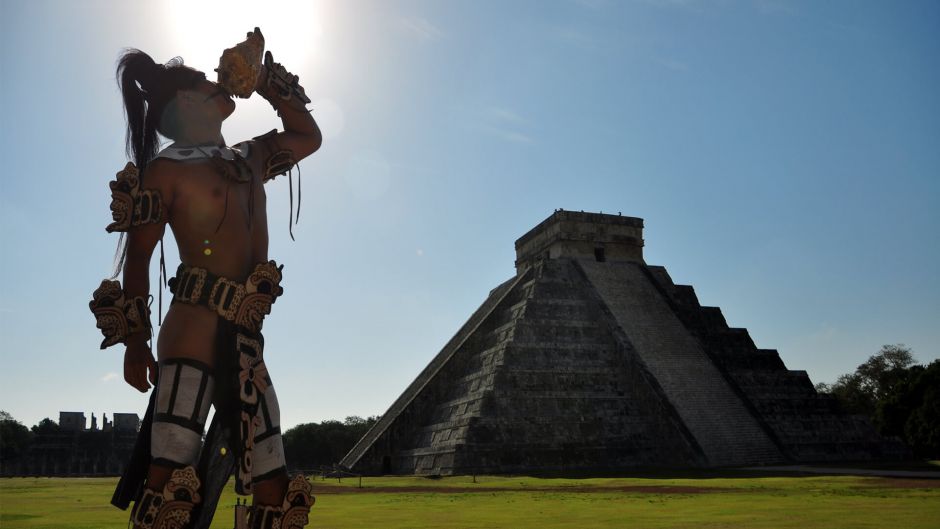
(276, 497)
(269, 465)
(278, 502)
(290, 513)
(183, 397)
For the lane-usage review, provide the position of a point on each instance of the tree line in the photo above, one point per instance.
(15, 438)
(901, 397)
(307, 446)
(311, 446)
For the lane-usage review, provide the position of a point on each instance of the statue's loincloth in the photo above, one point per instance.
(243, 418)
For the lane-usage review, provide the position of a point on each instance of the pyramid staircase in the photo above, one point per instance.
(808, 426)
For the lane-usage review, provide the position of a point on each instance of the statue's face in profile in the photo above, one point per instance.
(206, 102)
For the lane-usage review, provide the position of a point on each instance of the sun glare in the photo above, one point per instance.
(201, 29)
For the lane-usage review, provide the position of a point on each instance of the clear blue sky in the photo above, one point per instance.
(785, 156)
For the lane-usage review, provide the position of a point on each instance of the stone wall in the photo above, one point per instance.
(74, 453)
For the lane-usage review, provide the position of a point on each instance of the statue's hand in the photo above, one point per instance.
(262, 82)
(138, 360)
(278, 85)
(269, 68)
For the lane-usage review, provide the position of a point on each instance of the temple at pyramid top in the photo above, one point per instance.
(590, 359)
(580, 235)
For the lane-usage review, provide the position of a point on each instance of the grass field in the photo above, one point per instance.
(528, 502)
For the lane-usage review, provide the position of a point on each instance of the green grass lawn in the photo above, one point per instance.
(523, 502)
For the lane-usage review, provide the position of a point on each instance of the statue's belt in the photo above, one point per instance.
(244, 304)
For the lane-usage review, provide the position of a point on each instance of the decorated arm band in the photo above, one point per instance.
(118, 316)
(130, 205)
(277, 161)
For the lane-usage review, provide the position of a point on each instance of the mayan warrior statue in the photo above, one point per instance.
(209, 351)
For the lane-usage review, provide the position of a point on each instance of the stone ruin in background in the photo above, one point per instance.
(73, 449)
(590, 359)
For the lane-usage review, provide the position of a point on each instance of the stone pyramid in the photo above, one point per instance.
(590, 359)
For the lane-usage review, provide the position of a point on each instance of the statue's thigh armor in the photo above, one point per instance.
(184, 394)
(261, 454)
(268, 450)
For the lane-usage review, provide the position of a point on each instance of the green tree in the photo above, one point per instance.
(46, 427)
(874, 381)
(312, 445)
(14, 437)
(882, 372)
(359, 426)
(895, 406)
(901, 398)
(853, 394)
(922, 427)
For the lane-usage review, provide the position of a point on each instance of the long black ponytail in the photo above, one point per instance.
(149, 92)
(137, 74)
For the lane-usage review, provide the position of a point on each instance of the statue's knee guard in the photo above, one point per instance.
(184, 394)
(171, 508)
(291, 514)
(268, 453)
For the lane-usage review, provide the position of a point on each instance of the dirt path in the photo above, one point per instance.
(884, 473)
(641, 489)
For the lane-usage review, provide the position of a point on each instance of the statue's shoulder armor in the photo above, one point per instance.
(130, 204)
(230, 161)
(244, 148)
(276, 162)
(200, 152)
